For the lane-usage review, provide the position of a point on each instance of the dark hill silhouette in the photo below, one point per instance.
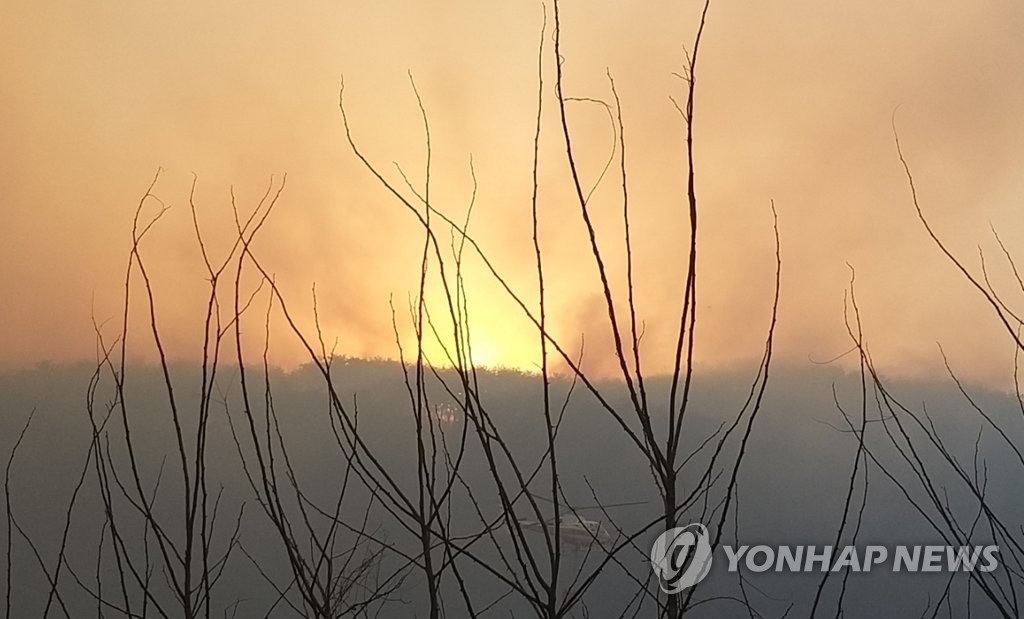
(791, 488)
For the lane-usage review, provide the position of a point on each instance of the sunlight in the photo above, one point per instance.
(485, 353)
(492, 346)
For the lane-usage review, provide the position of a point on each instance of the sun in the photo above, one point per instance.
(485, 353)
(496, 341)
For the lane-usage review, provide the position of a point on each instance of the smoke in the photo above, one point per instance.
(794, 104)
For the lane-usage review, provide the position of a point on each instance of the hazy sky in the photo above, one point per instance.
(794, 104)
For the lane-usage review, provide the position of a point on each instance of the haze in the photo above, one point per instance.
(794, 105)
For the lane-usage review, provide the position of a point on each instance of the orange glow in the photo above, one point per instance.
(794, 104)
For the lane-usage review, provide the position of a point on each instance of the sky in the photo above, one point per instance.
(794, 105)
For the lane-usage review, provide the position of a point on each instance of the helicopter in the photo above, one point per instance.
(575, 530)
